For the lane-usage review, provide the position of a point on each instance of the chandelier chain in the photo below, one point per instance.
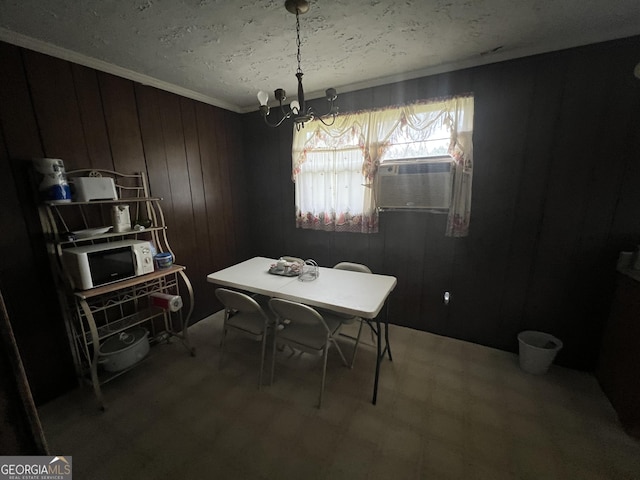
(298, 40)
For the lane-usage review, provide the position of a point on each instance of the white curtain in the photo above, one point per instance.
(328, 168)
(333, 194)
(461, 149)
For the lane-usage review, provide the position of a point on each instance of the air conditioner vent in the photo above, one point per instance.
(421, 183)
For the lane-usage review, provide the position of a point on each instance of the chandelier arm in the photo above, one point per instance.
(328, 124)
(277, 124)
(284, 112)
(332, 112)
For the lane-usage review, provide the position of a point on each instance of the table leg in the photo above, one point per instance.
(386, 332)
(378, 358)
(380, 352)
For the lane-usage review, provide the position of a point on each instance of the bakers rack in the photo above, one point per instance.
(93, 316)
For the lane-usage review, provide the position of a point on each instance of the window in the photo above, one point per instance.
(334, 179)
(416, 173)
(403, 144)
(335, 167)
(331, 191)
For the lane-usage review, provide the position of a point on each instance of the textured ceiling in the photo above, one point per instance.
(222, 51)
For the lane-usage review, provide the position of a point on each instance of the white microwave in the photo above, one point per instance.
(90, 266)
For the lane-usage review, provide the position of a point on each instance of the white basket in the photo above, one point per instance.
(537, 351)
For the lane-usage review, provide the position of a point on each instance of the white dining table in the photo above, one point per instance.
(360, 294)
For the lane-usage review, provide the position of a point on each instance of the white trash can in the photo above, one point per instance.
(537, 351)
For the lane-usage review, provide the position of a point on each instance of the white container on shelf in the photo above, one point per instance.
(53, 185)
(121, 218)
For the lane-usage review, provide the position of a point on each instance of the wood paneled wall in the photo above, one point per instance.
(192, 154)
(555, 198)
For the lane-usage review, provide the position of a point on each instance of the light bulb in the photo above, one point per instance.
(263, 97)
(295, 107)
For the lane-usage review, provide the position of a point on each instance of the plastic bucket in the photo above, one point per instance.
(537, 351)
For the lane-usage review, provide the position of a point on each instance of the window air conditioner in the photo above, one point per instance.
(417, 183)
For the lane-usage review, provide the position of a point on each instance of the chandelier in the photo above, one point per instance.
(298, 110)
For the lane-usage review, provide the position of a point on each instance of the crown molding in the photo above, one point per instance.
(75, 57)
